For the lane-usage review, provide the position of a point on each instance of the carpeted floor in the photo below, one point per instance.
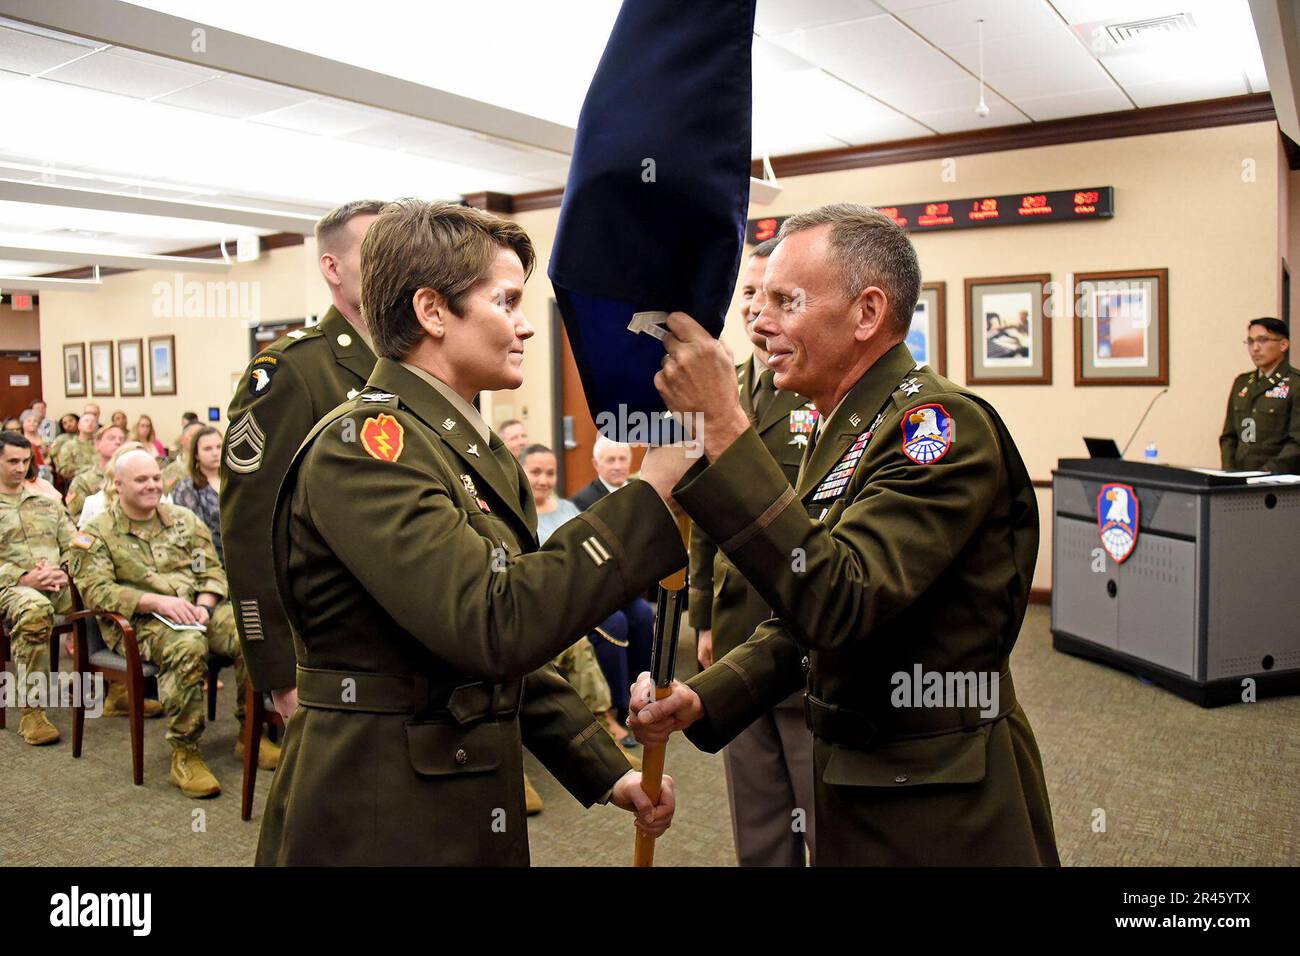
(1178, 785)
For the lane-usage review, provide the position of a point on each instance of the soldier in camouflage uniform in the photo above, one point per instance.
(78, 453)
(180, 467)
(142, 557)
(107, 440)
(34, 537)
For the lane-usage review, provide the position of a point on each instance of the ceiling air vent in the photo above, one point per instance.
(1122, 34)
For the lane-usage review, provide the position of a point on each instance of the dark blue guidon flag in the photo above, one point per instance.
(653, 217)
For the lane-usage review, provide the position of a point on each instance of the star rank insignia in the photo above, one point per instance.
(473, 450)
(911, 386)
(448, 424)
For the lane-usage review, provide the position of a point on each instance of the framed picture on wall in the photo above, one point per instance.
(1121, 327)
(926, 339)
(162, 365)
(101, 368)
(1008, 339)
(74, 369)
(130, 366)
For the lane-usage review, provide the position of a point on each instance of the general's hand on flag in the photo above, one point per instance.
(699, 376)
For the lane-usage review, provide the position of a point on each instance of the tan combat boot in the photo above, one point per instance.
(268, 753)
(532, 799)
(36, 729)
(115, 704)
(192, 775)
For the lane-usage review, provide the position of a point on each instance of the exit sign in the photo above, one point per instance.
(20, 303)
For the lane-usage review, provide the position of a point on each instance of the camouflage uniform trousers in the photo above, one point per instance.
(182, 660)
(578, 665)
(29, 619)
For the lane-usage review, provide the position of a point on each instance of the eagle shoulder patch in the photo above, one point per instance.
(928, 433)
(383, 437)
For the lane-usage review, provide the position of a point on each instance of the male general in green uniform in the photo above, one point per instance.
(35, 533)
(405, 548)
(1262, 429)
(898, 569)
(768, 766)
(286, 389)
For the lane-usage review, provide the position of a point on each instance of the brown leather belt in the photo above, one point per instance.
(369, 693)
(840, 725)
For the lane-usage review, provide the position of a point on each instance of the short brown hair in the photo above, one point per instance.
(869, 249)
(330, 226)
(428, 245)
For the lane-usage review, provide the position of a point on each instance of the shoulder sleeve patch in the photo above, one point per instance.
(383, 437)
(83, 540)
(928, 433)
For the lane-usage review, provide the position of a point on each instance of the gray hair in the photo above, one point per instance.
(868, 248)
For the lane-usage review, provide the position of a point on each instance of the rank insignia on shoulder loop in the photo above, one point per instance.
(383, 438)
(82, 540)
(910, 386)
(297, 334)
(245, 443)
(1117, 520)
(927, 433)
(352, 393)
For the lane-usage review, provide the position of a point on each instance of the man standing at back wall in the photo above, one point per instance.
(1262, 428)
(286, 389)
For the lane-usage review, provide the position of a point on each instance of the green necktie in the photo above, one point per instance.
(764, 394)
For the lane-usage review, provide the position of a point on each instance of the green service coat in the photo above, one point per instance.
(408, 565)
(720, 597)
(906, 565)
(287, 388)
(1268, 405)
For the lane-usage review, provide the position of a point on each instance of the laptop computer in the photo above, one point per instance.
(1102, 448)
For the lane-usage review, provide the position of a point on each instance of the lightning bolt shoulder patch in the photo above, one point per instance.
(383, 437)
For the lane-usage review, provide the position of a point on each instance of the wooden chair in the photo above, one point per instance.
(256, 716)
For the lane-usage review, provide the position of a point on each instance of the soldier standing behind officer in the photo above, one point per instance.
(1262, 428)
(34, 537)
(147, 561)
(407, 563)
(286, 389)
(769, 765)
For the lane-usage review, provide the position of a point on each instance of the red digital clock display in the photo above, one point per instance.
(1061, 205)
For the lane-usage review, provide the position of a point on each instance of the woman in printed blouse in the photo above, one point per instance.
(199, 490)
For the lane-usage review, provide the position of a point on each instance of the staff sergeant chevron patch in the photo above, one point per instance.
(244, 445)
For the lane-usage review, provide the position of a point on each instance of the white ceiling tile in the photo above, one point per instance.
(896, 6)
(960, 119)
(404, 133)
(322, 117)
(128, 73)
(28, 53)
(1186, 89)
(873, 54)
(777, 16)
(953, 23)
(1081, 103)
(235, 96)
(480, 152)
(914, 99)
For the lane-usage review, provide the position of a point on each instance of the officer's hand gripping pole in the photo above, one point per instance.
(663, 659)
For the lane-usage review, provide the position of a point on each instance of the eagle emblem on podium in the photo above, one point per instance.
(1117, 520)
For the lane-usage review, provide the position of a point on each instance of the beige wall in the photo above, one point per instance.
(212, 348)
(1185, 201)
(19, 330)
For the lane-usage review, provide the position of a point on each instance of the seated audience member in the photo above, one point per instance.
(31, 430)
(514, 435)
(155, 564)
(40, 485)
(67, 432)
(98, 503)
(147, 437)
(35, 539)
(179, 466)
(578, 664)
(199, 489)
(44, 424)
(118, 418)
(13, 425)
(187, 419)
(107, 441)
(78, 453)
